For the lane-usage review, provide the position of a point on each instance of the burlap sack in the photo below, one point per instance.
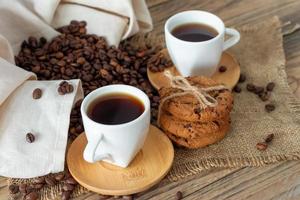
(261, 56)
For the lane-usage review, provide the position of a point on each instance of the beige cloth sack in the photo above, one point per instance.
(113, 19)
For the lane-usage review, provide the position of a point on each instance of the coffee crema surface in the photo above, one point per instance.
(115, 108)
(194, 32)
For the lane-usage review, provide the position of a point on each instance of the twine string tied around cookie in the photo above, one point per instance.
(201, 94)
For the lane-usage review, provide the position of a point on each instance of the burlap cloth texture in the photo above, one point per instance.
(261, 56)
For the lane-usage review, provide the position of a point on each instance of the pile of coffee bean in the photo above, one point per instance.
(74, 54)
(30, 191)
(158, 63)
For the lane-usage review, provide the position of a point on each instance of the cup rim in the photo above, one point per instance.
(139, 118)
(167, 31)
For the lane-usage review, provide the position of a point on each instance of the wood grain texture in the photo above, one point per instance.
(276, 182)
(148, 168)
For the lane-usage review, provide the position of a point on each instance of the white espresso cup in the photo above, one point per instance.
(116, 144)
(198, 58)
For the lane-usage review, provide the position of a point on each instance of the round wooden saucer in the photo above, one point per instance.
(229, 78)
(150, 165)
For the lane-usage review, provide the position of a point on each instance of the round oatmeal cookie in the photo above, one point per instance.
(199, 142)
(191, 130)
(187, 107)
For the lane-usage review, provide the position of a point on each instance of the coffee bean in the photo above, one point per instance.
(37, 93)
(242, 78)
(265, 96)
(39, 180)
(36, 69)
(237, 89)
(179, 195)
(222, 69)
(258, 90)
(250, 87)
(81, 60)
(68, 187)
(59, 176)
(71, 181)
(30, 137)
(50, 180)
(270, 86)
(65, 88)
(13, 189)
(22, 188)
(269, 107)
(66, 195)
(32, 196)
(59, 55)
(269, 138)
(38, 186)
(61, 63)
(261, 146)
(29, 189)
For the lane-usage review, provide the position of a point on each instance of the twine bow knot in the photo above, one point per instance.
(201, 94)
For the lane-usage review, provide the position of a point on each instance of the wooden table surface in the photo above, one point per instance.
(279, 181)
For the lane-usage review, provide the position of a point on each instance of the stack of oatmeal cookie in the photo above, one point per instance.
(186, 124)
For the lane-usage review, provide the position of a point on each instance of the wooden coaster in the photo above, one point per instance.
(229, 78)
(150, 166)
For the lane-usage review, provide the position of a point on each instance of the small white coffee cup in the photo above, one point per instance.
(198, 58)
(116, 144)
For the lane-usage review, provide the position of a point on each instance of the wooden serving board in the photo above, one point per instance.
(229, 78)
(148, 168)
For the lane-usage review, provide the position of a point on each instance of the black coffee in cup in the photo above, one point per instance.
(194, 32)
(115, 108)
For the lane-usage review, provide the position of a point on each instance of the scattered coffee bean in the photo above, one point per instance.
(270, 86)
(50, 180)
(13, 189)
(30, 137)
(38, 180)
(71, 181)
(222, 69)
(270, 107)
(22, 188)
(265, 96)
(258, 90)
(68, 187)
(65, 88)
(250, 87)
(242, 78)
(32, 196)
(261, 146)
(237, 89)
(179, 195)
(66, 195)
(59, 176)
(37, 93)
(269, 138)
(38, 186)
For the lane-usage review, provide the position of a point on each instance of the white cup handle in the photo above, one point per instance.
(235, 38)
(90, 150)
